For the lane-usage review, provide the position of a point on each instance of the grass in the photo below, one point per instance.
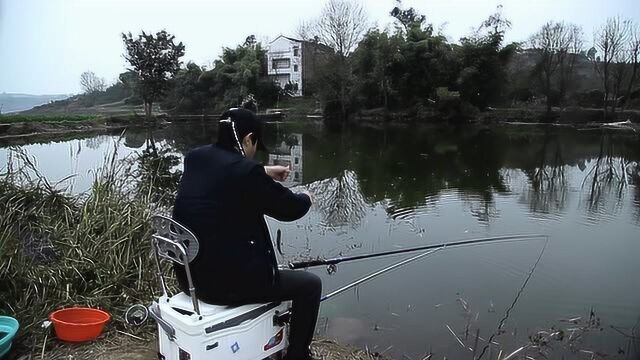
(58, 250)
(298, 105)
(12, 119)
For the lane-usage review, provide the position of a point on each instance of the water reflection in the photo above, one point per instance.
(548, 184)
(339, 200)
(380, 189)
(607, 180)
(289, 153)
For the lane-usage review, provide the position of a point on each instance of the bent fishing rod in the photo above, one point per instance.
(459, 243)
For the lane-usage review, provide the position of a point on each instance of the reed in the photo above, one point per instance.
(59, 250)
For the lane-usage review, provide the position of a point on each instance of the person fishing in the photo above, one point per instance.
(222, 198)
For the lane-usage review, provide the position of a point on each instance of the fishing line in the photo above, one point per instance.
(468, 242)
(515, 300)
(378, 273)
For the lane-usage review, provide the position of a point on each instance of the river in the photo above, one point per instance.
(381, 189)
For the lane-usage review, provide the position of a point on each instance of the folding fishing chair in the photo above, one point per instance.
(191, 329)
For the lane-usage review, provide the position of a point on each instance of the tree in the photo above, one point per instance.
(567, 66)
(240, 72)
(341, 25)
(91, 83)
(155, 59)
(483, 58)
(186, 93)
(552, 44)
(374, 62)
(609, 40)
(634, 59)
(409, 18)
(423, 61)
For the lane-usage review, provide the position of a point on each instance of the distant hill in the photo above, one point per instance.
(10, 102)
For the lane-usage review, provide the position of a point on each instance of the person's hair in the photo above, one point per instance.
(230, 141)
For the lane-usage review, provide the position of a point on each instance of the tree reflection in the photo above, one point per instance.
(634, 178)
(96, 142)
(339, 200)
(408, 169)
(548, 191)
(154, 168)
(608, 177)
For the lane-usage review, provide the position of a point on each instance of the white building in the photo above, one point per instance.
(295, 61)
(284, 62)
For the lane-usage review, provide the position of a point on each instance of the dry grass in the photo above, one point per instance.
(58, 250)
(120, 346)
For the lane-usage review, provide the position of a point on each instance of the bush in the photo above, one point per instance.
(59, 250)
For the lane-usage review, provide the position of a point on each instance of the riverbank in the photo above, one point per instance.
(15, 126)
(124, 346)
(48, 119)
(538, 115)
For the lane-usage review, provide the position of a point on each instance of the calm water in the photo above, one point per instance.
(385, 189)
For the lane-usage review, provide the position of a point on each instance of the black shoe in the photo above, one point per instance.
(307, 356)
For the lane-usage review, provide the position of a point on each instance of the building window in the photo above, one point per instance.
(296, 51)
(295, 68)
(296, 160)
(280, 63)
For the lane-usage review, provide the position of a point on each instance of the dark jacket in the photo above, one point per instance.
(222, 199)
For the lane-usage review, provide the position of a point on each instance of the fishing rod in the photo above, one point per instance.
(425, 254)
(378, 273)
(468, 242)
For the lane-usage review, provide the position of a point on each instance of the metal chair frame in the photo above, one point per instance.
(172, 240)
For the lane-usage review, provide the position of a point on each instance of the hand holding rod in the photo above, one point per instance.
(337, 260)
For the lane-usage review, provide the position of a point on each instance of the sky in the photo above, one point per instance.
(46, 44)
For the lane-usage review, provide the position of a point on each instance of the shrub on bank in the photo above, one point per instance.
(59, 250)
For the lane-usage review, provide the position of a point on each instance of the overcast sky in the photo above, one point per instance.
(46, 44)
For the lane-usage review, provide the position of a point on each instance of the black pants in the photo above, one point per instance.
(304, 288)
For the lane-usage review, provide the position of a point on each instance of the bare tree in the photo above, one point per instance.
(567, 67)
(552, 42)
(91, 83)
(306, 31)
(633, 51)
(610, 40)
(341, 25)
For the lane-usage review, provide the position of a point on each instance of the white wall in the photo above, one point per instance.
(282, 48)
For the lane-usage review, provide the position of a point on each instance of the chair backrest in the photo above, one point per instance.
(173, 241)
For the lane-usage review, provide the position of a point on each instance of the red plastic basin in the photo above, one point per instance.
(79, 324)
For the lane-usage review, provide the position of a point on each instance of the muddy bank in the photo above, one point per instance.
(32, 128)
(569, 115)
(124, 347)
(14, 130)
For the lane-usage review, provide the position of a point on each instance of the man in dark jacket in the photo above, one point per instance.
(222, 198)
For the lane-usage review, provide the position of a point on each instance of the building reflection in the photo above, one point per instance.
(289, 153)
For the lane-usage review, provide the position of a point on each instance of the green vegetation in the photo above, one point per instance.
(155, 60)
(60, 250)
(11, 119)
(405, 71)
(237, 75)
(404, 68)
(299, 105)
